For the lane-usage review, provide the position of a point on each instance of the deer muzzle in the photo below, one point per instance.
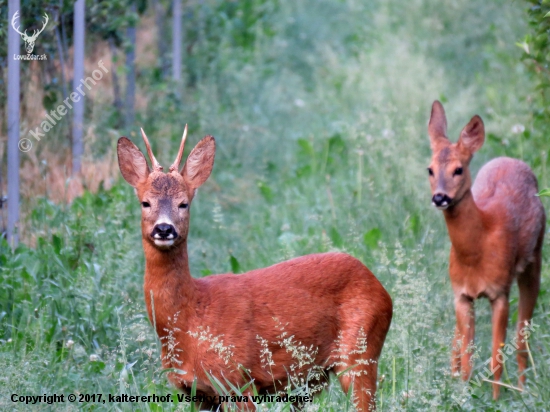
(164, 234)
(441, 201)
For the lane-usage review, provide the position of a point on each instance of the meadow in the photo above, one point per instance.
(320, 116)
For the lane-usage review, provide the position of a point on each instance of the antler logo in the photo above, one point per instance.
(29, 40)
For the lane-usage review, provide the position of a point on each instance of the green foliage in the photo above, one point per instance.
(319, 110)
(235, 266)
(536, 46)
(231, 24)
(536, 55)
(109, 19)
(372, 237)
(66, 275)
(330, 151)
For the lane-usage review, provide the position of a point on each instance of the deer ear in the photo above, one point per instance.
(437, 127)
(472, 136)
(199, 164)
(131, 162)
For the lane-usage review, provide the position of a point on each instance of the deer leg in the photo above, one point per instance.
(529, 286)
(499, 307)
(357, 360)
(363, 380)
(465, 327)
(455, 357)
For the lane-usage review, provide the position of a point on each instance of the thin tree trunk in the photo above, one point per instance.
(61, 53)
(176, 41)
(130, 73)
(63, 33)
(160, 17)
(116, 84)
(78, 119)
(13, 128)
(63, 78)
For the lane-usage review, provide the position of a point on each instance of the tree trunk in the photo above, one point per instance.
(160, 17)
(176, 41)
(116, 84)
(13, 128)
(61, 53)
(130, 73)
(78, 119)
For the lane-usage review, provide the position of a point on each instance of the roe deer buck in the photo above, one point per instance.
(325, 302)
(496, 228)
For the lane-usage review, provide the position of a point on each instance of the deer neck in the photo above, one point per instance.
(465, 226)
(168, 286)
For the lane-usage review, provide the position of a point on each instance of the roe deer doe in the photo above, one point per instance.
(496, 228)
(328, 303)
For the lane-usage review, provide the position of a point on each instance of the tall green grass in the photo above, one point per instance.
(320, 116)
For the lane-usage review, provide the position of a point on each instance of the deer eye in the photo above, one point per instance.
(458, 171)
(145, 204)
(183, 206)
(430, 171)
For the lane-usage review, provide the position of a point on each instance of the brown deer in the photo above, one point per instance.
(224, 326)
(496, 228)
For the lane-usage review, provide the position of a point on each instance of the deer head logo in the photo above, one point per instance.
(29, 40)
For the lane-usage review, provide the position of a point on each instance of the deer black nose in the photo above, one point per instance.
(440, 200)
(164, 231)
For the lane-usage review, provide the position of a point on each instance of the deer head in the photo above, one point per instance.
(165, 197)
(29, 40)
(449, 172)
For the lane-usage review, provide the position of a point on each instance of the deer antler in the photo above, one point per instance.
(13, 20)
(175, 166)
(37, 32)
(156, 165)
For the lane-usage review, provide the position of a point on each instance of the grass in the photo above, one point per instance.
(320, 119)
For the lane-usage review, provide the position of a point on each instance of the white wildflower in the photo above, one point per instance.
(518, 128)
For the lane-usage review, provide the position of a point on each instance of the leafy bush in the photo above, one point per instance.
(536, 47)
(319, 109)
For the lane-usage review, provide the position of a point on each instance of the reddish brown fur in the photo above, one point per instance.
(496, 229)
(322, 300)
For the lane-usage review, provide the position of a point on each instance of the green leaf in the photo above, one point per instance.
(154, 407)
(544, 193)
(303, 171)
(371, 238)
(336, 237)
(193, 393)
(414, 224)
(524, 46)
(96, 366)
(493, 137)
(266, 191)
(235, 266)
(306, 147)
(57, 244)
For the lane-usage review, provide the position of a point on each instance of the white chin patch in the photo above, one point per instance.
(164, 242)
(443, 206)
(169, 237)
